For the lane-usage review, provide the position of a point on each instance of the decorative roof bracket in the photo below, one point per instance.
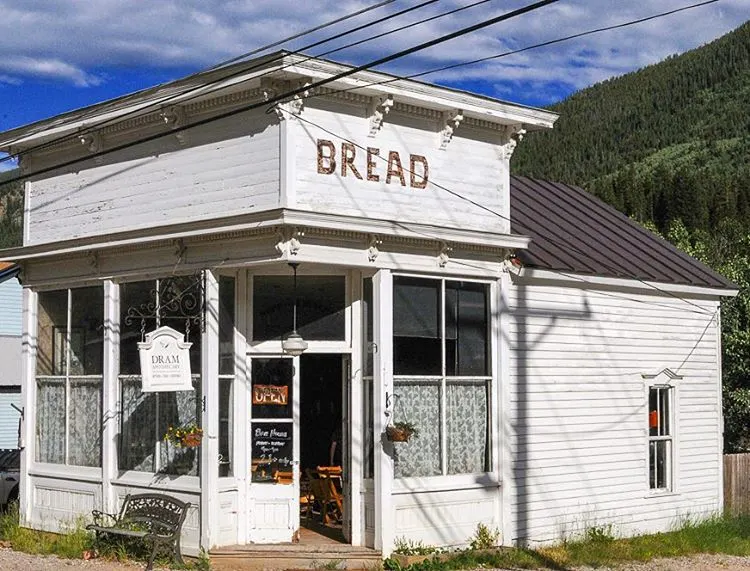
(174, 117)
(511, 136)
(451, 121)
(379, 108)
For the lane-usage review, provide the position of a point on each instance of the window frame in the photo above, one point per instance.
(126, 475)
(670, 438)
(67, 379)
(467, 479)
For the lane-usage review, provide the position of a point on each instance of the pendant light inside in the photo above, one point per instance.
(294, 345)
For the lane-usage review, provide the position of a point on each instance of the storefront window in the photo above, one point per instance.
(146, 417)
(441, 376)
(69, 374)
(321, 305)
(226, 373)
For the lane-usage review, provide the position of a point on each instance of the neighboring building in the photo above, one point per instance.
(10, 355)
(562, 364)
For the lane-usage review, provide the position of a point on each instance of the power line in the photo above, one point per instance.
(299, 90)
(495, 213)
(199, 90)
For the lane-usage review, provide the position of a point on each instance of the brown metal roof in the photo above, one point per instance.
(573, 231)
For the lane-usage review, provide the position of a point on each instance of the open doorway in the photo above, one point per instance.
(322, 452)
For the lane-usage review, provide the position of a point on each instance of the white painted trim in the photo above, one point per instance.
(26, 212)
(110, 394)
(288, 127)
(212, 83)
(383, 393)
(580, 280)
(270, 219)
(241, 459)
(209, 451)
(356, 426)
(28, 398)
(720, 413)
(495, 408)
(503, 310)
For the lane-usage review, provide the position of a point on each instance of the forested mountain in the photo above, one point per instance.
(671, 141)
(11, 210)
(669, 145)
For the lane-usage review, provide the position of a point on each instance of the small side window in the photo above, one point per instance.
(660, 437)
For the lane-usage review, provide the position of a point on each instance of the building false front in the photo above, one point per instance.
(393, 204)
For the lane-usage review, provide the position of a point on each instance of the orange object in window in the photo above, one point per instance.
(653, 419)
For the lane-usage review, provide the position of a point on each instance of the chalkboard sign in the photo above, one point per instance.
(273, 450)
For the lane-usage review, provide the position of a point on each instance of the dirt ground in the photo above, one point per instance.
(16, 561)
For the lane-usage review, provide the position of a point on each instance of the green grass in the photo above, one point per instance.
(729, 535)
(76, 539)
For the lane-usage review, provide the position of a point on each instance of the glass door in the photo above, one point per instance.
(274, 450)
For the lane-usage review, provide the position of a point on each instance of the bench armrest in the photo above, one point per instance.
(103, 519)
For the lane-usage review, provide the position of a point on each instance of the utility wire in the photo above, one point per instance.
(494, 212)
(199, 90)
(299, 90)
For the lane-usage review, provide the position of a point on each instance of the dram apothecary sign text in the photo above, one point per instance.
(165, 361)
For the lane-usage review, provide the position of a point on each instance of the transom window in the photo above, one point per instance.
(660, 439)
(442, 375)
(69, 373)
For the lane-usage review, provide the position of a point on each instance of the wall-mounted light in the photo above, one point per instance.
(294, 345)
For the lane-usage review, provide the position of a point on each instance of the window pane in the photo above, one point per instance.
(369, 444)
(226, 407)
(178, 408)
(418, 403)
(85, 448)
(416, 327)
(226, 325)
(658, 411)
(50, 421)
(659, 454)
(466, 329)
(272, 385)
(467, 427)
(52, 330)
(137, 433)
(321, 304)
(87, 331)
(181, 303)
(136, 298)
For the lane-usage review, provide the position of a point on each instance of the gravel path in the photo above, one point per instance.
(16, 561)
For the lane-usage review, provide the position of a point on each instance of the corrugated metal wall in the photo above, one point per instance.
(10, 307)
(9, 419)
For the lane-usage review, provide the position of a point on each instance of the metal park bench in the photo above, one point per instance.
(154, 518)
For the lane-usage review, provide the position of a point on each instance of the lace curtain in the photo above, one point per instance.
(84, 426)
(418, 402)
(146, 418)
(466, 427)
(50, 421)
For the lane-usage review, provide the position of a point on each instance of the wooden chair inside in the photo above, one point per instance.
(281, 477)
(325, 494)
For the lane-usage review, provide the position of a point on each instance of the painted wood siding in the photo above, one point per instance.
(578, 409)
(9, 418)
(469, 166)
(226, 168)
(10, 307)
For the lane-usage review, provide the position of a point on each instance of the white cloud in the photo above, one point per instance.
(70, 41)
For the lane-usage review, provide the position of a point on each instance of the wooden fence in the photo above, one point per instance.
(737, 483)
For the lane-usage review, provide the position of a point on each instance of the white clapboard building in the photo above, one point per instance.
(10, 356)
(561, 364)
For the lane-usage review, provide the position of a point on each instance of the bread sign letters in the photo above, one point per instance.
(165, 361)
(371, 165)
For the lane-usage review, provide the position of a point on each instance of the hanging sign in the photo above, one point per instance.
(270, 394)
(165, 361)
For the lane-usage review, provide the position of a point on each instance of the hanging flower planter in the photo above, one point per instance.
(188, 436)
(401, 431)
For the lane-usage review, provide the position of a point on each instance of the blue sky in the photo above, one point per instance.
(59, 55)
